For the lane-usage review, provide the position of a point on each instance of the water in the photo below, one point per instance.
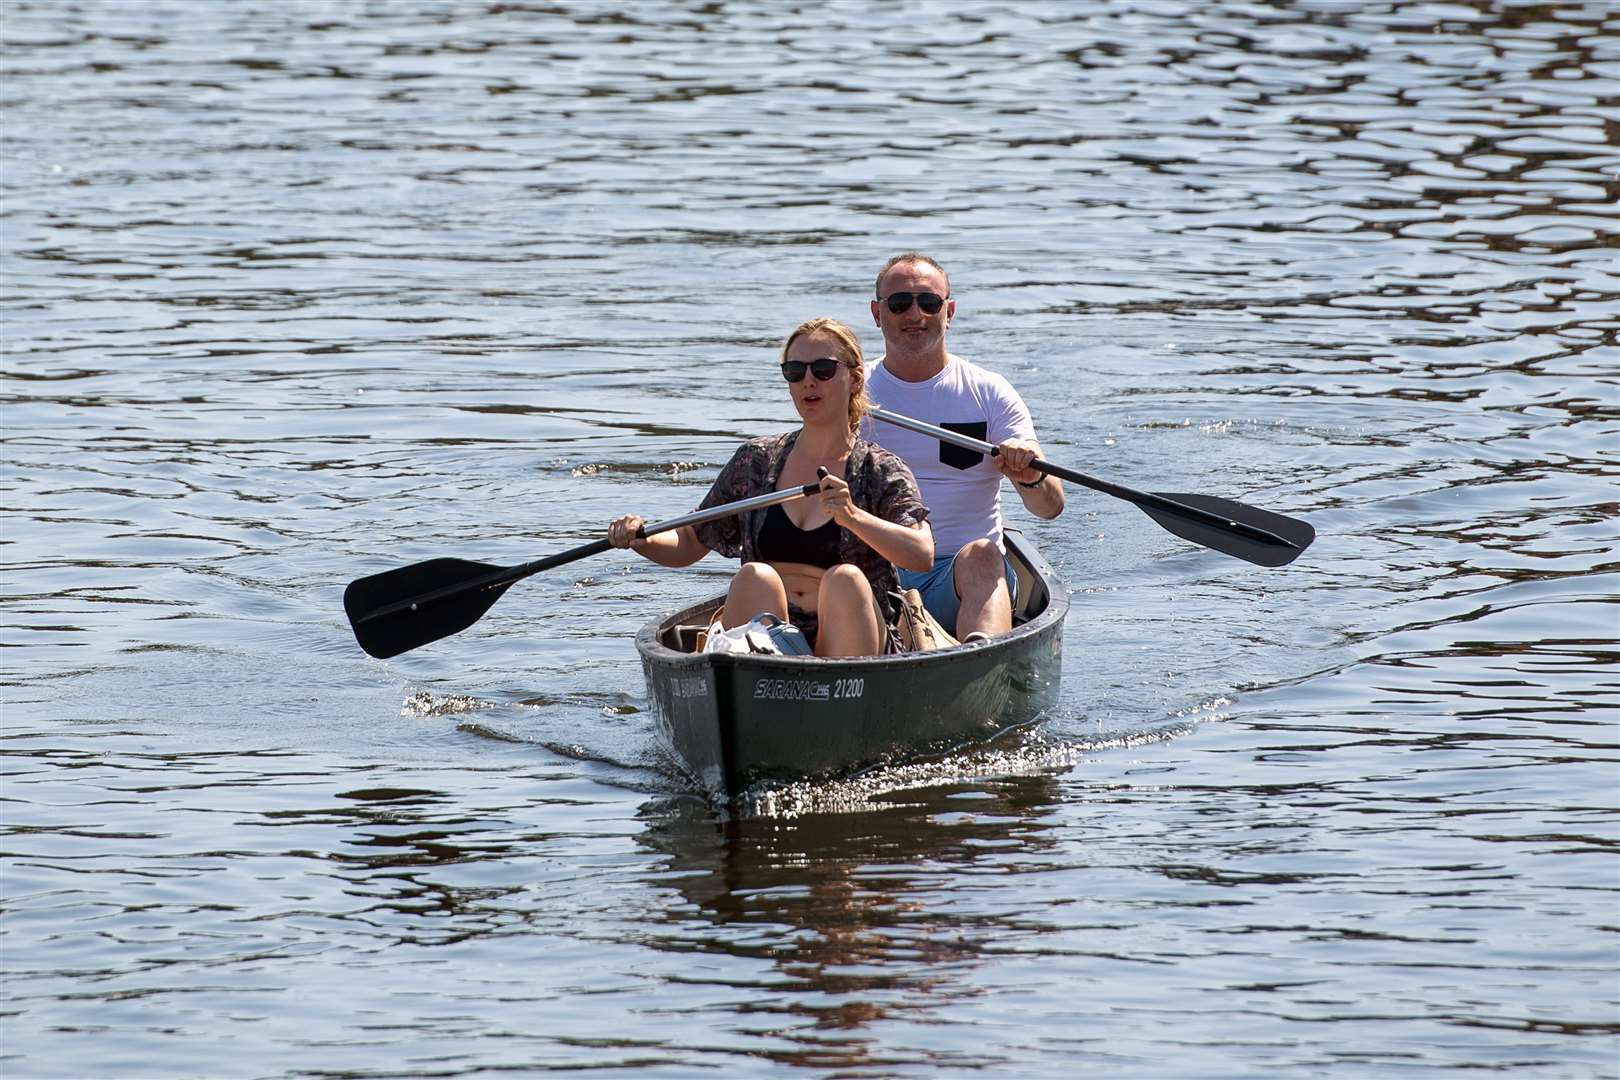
(299, 292)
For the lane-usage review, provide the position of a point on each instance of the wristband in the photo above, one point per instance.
(1036, 484)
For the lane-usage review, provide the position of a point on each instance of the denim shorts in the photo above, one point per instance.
(938, 588)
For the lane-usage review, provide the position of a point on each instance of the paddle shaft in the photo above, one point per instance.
(1144, 499)
(501, 577)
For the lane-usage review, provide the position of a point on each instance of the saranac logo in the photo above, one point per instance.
(791, 690)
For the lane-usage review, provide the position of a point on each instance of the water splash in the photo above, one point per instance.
(424, 703)
(1024, 753)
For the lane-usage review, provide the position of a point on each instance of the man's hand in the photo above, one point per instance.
(1013, 457)
(1041, 497)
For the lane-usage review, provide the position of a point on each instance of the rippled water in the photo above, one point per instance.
(298, 292)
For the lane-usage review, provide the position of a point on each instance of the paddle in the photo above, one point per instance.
(398, 610)
(1234, 528)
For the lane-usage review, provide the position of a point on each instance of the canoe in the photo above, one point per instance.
(733, 721)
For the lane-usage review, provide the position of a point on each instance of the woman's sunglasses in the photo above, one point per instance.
(901, 301)
(823, 369)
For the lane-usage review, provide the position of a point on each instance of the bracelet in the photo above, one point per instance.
(1036, 484)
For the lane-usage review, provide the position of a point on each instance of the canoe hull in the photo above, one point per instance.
(736, 720)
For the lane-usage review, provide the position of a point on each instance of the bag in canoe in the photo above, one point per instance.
(764, 634)
(919, 630)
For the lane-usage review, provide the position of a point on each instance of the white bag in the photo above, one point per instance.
(764, 634)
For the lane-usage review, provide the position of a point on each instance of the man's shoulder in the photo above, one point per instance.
(978, 371)
(982, 379)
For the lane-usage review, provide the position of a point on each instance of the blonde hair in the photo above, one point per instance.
(850, 346)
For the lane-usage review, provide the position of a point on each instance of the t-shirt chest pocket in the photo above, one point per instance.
(958, 457)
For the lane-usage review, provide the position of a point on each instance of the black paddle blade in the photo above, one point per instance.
(399, 610)
(1242, 536)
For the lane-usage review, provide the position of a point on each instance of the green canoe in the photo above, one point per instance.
(734, 720)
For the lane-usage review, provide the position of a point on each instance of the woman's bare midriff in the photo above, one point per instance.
(803, 583)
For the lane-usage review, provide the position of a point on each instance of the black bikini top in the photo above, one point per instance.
(782, 541)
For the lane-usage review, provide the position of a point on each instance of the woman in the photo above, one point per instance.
(824, 563)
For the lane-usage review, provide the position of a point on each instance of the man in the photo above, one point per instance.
(970, 587)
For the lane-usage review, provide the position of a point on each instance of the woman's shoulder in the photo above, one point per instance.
(876, 454)
(763, 447)
(754, 463)
(880, 460)
(767, 442)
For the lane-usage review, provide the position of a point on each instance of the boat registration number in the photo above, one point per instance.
(691, 686)
(808, 689)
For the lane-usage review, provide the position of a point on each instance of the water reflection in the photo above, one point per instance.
(862, 916)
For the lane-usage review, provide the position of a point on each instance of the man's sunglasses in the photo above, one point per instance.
(901, 301)
(823, 369)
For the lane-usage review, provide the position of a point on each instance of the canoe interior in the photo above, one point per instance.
(680, 632)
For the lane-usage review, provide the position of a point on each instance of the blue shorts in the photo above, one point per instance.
(938, 588)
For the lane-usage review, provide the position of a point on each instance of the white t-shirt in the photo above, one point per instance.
(961, 488)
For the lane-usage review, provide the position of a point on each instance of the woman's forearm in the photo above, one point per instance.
(910, 547)
(677, 548)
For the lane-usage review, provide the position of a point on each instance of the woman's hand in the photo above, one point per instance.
(679, 547)
(908, 546)
(624, 531)
(836, 500)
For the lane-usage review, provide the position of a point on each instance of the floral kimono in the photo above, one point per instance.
(879, 483)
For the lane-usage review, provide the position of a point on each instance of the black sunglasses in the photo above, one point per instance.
(823, 369)
(929, 302)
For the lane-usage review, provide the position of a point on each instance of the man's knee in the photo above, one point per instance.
(978, 567)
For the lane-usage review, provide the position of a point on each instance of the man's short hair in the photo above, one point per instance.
(905, 257)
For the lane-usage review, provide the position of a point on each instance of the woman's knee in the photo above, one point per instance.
(756, 587)
(849, 620)
(845, 585)
(757, 575)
